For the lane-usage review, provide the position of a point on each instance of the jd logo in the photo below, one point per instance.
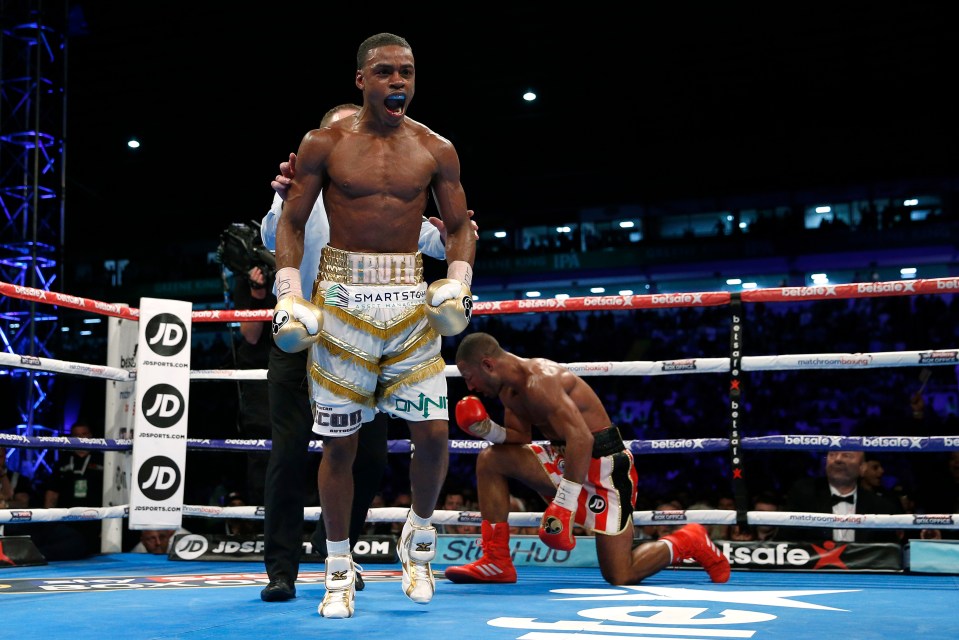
(190, 547)
(596, 504)
(166, 334)
(159, 478)
(162, 405)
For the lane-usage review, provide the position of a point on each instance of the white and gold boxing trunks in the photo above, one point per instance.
(376, 350)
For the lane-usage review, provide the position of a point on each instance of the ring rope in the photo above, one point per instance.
(523, 518)
(594, 303)
(925, 444)
(788, 362)
(919, 286)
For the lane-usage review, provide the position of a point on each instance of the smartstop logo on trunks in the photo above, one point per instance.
(421, 406)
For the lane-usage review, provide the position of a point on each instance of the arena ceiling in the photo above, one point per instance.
(638, 104)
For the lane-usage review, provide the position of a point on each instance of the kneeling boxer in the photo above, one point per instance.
(586, 472)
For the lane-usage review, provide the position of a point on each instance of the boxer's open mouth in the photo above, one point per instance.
(395, 104)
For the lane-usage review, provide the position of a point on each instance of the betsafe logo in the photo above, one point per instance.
(166, 334)
(163, 406)
(159, 478)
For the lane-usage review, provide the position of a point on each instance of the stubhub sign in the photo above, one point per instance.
(526, 551)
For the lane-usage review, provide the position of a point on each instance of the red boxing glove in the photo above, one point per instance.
(556, 528)
(472, 418)
(469, 411)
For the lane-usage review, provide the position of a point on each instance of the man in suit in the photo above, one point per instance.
(838, 493)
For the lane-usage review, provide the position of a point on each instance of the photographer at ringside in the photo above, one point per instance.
(254, 270)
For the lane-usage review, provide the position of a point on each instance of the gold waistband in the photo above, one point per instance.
(350, 267)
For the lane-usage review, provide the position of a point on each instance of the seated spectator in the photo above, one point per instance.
(454, 500)
(15, 488)
(724, 503)
(54, 540)
(377, 528)
(940, 494)
(77, 481)
(765, 501)
(156, 541)
(870, 479)
(517, 505)
(239, 526)
(402, 500)
(657, 531)
(716, 531)
(15, 491)
(838, 492)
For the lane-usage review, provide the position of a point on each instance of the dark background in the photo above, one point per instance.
(638, 105)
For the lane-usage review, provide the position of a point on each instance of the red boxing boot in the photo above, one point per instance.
(495, 565)
(692, 541)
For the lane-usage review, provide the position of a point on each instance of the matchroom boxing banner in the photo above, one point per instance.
(162, 404)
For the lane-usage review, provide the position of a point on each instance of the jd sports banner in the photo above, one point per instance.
(374, 549)
(162, 407)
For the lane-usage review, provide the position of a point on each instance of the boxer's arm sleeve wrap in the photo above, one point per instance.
(567, 494)
(495, 433)
(288, 282)
(471, 417)
(487, 430)
(462, 271)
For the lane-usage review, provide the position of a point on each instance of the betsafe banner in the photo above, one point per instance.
(811, 556)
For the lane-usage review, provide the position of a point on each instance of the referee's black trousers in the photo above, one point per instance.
(288, 474)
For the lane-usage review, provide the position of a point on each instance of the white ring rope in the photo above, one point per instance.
(523, 518)
(790, 362)
(854, 361)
